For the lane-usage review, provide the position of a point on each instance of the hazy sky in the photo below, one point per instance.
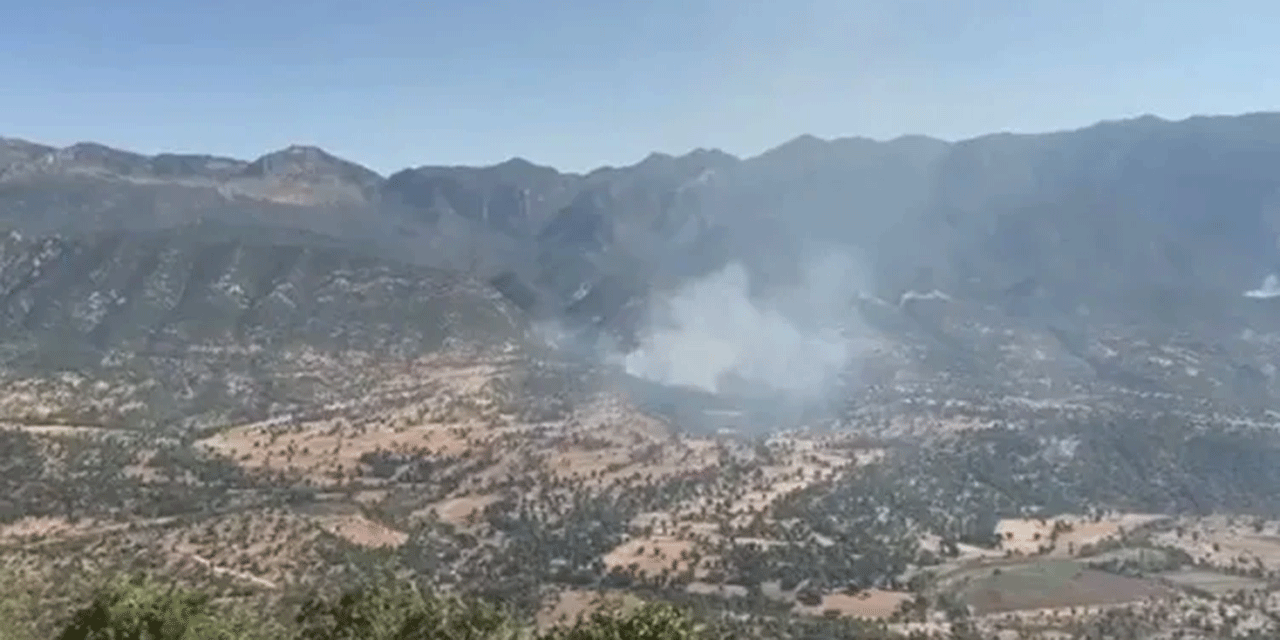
(579, 83)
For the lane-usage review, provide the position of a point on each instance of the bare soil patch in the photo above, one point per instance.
(1226, 542)
(458, 510)
(362, 531)
(1066, 535)
(652, 555)
(566, 606)
(874, 604)
(1212, 582)
(34, 528)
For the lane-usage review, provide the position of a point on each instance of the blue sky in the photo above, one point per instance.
(581, 83)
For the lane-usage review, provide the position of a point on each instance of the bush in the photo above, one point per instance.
(397, 611)
(653, 621)
(141, 609)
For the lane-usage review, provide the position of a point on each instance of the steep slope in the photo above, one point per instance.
(1182, 209)
(142, 328)
(1185, 208)
(1058, 330)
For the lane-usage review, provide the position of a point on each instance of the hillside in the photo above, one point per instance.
(1180, 209)
(184, 326)
(999, 386)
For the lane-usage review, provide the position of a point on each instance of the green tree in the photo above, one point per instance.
(653, 621)
(398, 611)
(141, 609)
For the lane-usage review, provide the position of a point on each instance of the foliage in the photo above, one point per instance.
(141, 609)
(398, 611)
(653, 621)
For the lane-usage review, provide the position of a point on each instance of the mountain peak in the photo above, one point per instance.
(17, 150)
(95, 158)
(701, 158)
(712, 157)
(802, 145)
(16, 143)
(519, 171)
(516, 163)
(657, 157)
(303, 162)
(98, 151)
(804, 141)
(297, 154)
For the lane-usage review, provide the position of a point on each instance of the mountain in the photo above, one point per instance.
(1073, 235)
(1186, 208)
(1179, 207)
(180, 327)
(1016, 360)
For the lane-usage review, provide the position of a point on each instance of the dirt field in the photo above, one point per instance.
(564, 607)
(651, 555)
(325, 452)
(436, 406)
(1030, 536)
(1212, 582)
(1050, 584)
(458, 510)
(1221, 541)
(874, 604)
(362, 531)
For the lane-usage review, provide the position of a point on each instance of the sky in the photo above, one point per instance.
(582, 83)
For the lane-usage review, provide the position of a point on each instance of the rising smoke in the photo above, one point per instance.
(713, 334)
(1270, 289)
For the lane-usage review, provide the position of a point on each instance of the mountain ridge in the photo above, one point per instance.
(1088, 213)
(184, 325)
(805, 138)
(276, 379)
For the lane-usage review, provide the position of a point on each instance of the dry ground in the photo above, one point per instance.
(34, 529)
(362, 531)
(1212, 582)
(564, 607)
(1048, 584)
(651, 555)
(1226, 542)
(1031, 536)
(875, 604)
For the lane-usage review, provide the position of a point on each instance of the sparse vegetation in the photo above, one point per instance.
(141, 608)
(261, 427)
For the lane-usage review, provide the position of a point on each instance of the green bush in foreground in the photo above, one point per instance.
(141, 609)
(399, 612)
(653, 621)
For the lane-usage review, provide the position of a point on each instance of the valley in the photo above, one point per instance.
(278, 378)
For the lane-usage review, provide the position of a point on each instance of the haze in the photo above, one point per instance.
(713, 332)
(578, 84)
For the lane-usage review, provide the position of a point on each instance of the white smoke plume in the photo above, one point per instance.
(713, 332)
(1270, 288)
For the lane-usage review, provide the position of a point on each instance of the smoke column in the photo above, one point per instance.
(1270, 289)
(796, 340)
